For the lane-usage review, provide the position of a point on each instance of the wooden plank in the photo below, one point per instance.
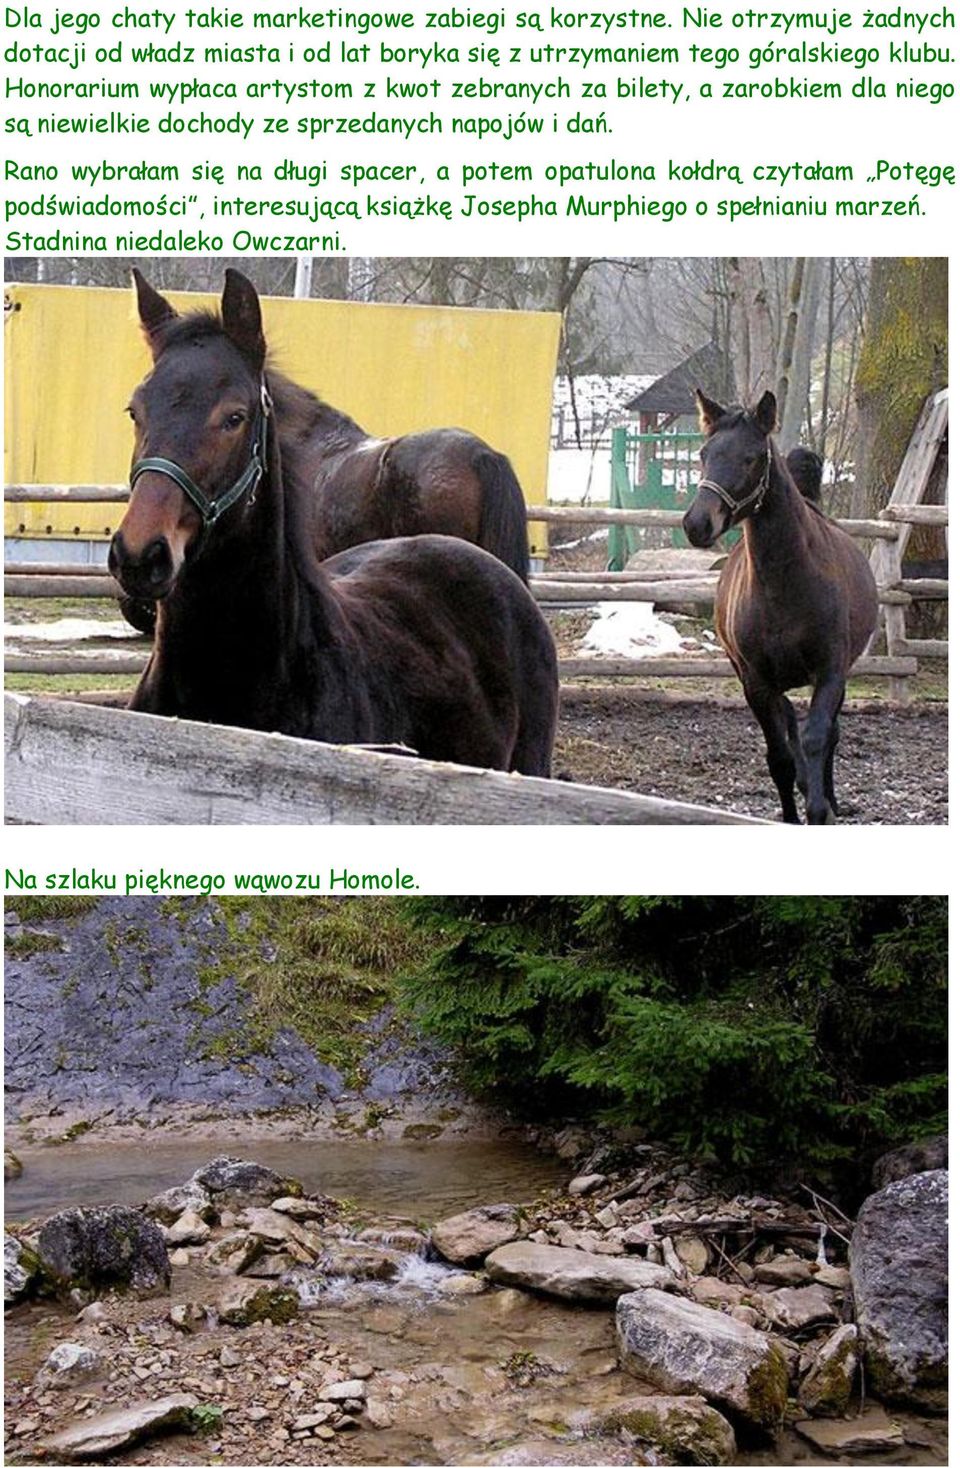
(925, 588)
(666, 519)
(58, 494)
(669, 593)
(69, 763)
(921, 647)
(52, 568)
(99, 661)
(937, 516)
(611, 578)
(57, 586)
(694, 667)
(664, 593)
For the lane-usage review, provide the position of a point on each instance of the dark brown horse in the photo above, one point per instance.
(426, 640)
(443, 482)
(805, 467)
(796, 600)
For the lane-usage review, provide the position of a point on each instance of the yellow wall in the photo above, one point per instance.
(73, 356)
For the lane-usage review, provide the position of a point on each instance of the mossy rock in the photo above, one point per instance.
(251, 1304)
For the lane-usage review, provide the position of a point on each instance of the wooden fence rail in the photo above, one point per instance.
(670, 589)
(70, 763)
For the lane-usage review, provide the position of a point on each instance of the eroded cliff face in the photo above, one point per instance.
(126, 1009)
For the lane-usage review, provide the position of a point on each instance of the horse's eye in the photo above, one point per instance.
(130, 413)
(234, 420)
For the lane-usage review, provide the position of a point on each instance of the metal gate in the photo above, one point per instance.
(651, 471)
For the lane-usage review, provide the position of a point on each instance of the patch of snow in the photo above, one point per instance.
(631, 630)
(68, 629)
(578, 476)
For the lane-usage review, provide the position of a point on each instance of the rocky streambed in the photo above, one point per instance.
(637, 1315)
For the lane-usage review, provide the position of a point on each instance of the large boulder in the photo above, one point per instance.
(467, 1238)
(681, 1429)
(236, 1184)
(20, 1270)
(683, 1347)
(102, 1249)
(572, 1274)
(110, 1432)
(898, 1266)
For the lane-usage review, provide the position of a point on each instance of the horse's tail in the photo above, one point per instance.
(503, 513)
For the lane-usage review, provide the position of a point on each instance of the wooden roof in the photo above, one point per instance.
(708, 368)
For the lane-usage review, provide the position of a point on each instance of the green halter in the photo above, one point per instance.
(210, 510)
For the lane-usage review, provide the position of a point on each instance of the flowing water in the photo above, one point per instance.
(458, 1358)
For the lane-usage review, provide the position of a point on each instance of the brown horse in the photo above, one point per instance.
(796, 600)
(426, 640)
(443, 482)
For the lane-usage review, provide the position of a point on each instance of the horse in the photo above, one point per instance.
(805, 467)
(425, 641)
(446, 481)
(796, 599)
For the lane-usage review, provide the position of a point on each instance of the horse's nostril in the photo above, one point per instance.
(156, 561)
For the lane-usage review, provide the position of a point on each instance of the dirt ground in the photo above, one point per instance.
(891, 766)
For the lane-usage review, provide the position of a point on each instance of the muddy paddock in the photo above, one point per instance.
(891, 766)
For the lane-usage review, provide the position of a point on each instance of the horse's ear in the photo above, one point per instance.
(709, 411)
(155, 310)
(766, 412)
(240, 309)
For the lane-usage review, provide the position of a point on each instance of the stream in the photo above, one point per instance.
(456, 1399)
(427, 1180)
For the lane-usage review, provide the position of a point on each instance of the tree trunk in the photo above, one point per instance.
(752, 333)
(796, 347)
(903, 359)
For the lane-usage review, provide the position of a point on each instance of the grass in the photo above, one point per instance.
(322, 967)
(34, 909)
(65, 683)
(23, 609)
(22, 945)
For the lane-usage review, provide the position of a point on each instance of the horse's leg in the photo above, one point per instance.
(768, 708)
(796, 744)
(819, 742)
(828, 788)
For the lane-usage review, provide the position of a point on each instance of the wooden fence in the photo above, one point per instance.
(671, 591)
(72, 763)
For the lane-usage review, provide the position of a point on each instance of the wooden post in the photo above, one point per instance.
(894, 614)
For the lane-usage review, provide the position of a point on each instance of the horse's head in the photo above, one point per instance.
(805, 467)
(736, 461)
(200, 434)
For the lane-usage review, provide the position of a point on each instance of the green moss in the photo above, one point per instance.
(33, 909)
(78, 1129)
(833, 1382)
(767, 1390)
(22, 945)
(277, 1306)
(321, 967)
(685, 1437)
